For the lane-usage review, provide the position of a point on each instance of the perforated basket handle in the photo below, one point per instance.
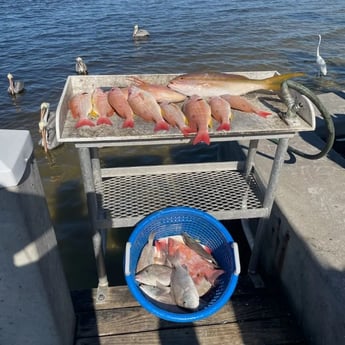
(127, 258)
(237, 259)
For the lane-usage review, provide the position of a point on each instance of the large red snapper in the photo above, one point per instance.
(198, 267)
(221, 111)
(118, 100)
(198, 113)
(145, 105)
(102, 107)
(80, 106)
(217, 84)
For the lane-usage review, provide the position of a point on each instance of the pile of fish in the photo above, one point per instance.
(176, 271)
(189, 102)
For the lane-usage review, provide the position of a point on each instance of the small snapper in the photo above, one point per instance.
(198, 113)
(118, 100)
(173, 114)
(101, 107)
(217, 84)
(80, 106)
(221, 111)
(182, 286)
(154, 273)
(144, 105)
(147, 254)
(159, 293)
(160, 92)
(241, 104)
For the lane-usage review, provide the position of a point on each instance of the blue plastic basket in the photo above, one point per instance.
(198, 224)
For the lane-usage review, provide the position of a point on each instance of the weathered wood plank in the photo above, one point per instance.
(136, 319)
(259, 332)
(121, 297)
(118, 297)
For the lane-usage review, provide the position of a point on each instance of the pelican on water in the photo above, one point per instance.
(138, 33)
(80, 66)
(320, 61)
(15, 86)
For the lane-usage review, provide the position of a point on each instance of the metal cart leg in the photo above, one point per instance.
(253, 145)
(268, 202)
(89, 187)
(97, 178)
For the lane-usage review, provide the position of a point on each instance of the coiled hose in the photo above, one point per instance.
(292, 106)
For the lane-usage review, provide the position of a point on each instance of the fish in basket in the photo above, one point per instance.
(181, 264)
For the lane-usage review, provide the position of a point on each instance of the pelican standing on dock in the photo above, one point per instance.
(15, 86)
(80, 66)
(320, 61)
(140, 33)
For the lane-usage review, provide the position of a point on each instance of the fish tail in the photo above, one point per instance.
(224, 127)
(274, 83)
(186, 130)
(161, 126)
(84, 122)
(262, 113)
(104, 121)
(202, 137)
(128, 123)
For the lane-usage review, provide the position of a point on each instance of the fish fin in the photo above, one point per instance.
(161, 126)
(262, 113)
(224, 127)
(202, 137)
(104, 121)
(84, 122)
(274, 83)
(128, 123)
(212, 277)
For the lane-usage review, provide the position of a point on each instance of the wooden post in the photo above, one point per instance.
(35, 301)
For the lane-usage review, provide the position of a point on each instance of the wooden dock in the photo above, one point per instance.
(252, 316)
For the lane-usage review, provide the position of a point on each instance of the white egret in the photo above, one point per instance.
(140, 33)
(80, 66)
(15, 86)
(320, 61)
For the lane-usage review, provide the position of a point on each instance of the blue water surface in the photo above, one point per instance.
(40, 40)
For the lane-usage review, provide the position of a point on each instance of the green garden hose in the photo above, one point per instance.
(292, 107)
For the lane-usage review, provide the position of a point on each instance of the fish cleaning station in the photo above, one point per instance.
(270, 174)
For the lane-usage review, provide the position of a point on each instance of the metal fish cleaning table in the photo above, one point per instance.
(119, 196)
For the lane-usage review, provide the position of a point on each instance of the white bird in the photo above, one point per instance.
(80, 66)
(139, 33)
(42, 125)
(320, 61)
(15, 86)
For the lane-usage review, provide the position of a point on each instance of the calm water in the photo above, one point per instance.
(40, 40)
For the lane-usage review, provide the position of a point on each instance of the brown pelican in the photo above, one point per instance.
(80, 66)
(15, 86)
(42, 125)
(139, 33)
(46, 127)
(320, 61)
